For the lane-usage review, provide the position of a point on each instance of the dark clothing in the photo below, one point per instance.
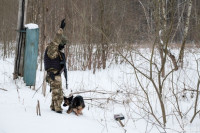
(52, 63)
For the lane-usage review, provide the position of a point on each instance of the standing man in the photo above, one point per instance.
(54, 63)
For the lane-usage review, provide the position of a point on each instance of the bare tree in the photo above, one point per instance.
(196, 110)
(181, 54)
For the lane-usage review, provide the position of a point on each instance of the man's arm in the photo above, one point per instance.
(53, 51)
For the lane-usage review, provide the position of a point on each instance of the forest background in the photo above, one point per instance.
(96, 29)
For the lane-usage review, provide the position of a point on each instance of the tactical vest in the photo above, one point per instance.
(52, 63)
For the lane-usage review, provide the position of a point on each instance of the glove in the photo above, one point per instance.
(52, 76)
(62, 26)
(60, 47)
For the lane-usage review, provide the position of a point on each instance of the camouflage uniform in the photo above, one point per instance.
(53, 52)
(57, 93)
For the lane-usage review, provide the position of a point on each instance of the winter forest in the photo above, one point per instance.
(136, 58)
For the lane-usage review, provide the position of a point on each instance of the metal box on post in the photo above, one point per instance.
(31, 54)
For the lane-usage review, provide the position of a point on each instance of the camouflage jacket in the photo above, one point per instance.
(52, 55)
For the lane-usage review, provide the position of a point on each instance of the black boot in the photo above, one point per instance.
(59, 112)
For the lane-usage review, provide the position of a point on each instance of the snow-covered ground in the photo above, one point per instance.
(18, 105)
(114, 90)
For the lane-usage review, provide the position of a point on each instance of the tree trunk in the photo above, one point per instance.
(103, 43)
(43, 46)
(20, 39)
(181, 54)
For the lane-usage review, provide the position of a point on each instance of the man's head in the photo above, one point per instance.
(60, 38)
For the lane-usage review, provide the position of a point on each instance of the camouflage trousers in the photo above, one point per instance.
(57, 92)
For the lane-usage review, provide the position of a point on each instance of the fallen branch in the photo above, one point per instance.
(102, 92)
(192, 90)
(38, 88)
(91, 99)
(105, 99)
(89, 91)
(3, 89)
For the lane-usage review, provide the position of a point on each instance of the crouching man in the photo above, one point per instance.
(53, 63)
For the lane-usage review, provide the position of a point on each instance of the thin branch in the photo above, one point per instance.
(147, 98)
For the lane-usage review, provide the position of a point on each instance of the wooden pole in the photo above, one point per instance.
(38, 108)
(120, 122)
(20, 39)
(43, 46)
(15, 74)
(44, 84)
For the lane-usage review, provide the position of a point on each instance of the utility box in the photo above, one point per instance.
(31, 54)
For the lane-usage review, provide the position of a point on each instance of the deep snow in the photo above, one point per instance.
(18, 104)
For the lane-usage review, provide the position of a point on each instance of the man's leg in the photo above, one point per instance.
(52, 105)
(49, 80)
(57, 94)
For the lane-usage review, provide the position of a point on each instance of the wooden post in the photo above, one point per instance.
(25, 11)
(44, 85)
(38, 108)
(15, 74)
(20, 39)
(120, 122)
(43, 46)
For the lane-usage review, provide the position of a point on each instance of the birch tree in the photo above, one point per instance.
(181, 54)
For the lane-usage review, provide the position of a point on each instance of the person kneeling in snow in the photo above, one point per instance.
(53, 63)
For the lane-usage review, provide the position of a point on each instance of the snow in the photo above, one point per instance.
(18, 108)
(31, 26)
(161, 41)
(18, 103)
(160, 35)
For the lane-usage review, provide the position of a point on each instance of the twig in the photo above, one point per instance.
(38, 89)
(192, 90)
